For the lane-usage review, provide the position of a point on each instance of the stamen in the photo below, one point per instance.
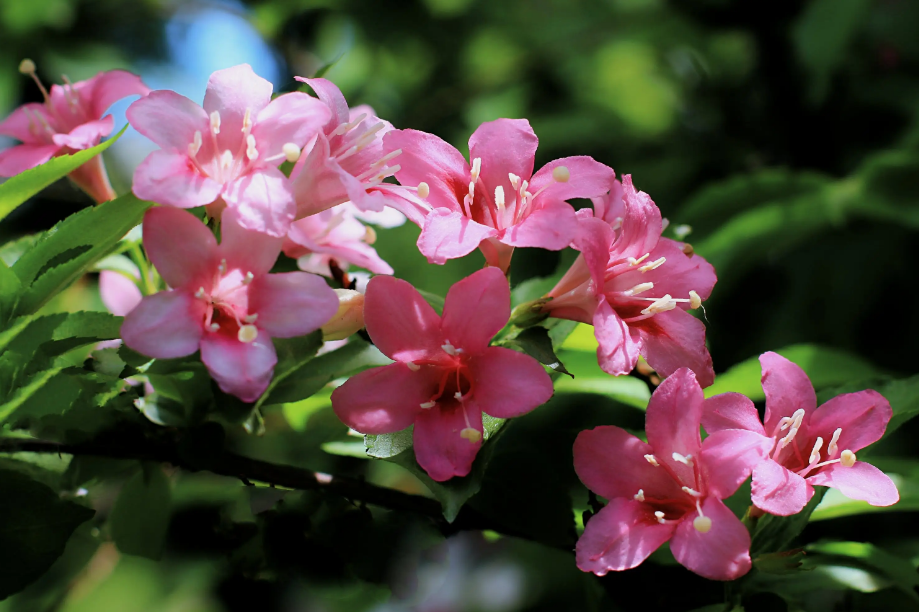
(702, 524)
(661, 305)
(344, 128)
(428, 405)
(214, 327)
(831, 447)
(200, 293)
(222, 268)
(247, 121)
(694, 300)
(423, 190)
(473, 435)
(515, 180)
(640, 288)
(660, 517)
(653, 265)
(291, 152)
(561, 174)
(251, 151)
(195, 145)
(652, 460)
(27, 67)
(634, 262)
(370, 235)
(797, 419)
(73, 99)
(681, 231)
(247, 278)
(685, 460)
(847, 459)
(247, 333)
(476, 169)
(640, 496)
(499, 197)
(692, 492)
(449, 349)
(617, 223)
(815, 453)
(414, 367)
(226, 160)
(458, 396)
(215, 123)
(471, 191)
(252, 318)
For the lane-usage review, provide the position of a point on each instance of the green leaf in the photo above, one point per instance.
(23, 186)
(35, 524)
(535, 342)
(776, 533)
(70, 248)
(900, 572)
(436, 302)
(903, 395)
(293, 355)
(140, 517)
(9, 292)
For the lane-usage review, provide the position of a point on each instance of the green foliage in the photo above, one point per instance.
(535, 342)
(141, 513)
(776, 533)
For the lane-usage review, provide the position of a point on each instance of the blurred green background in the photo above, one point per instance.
(784, 133)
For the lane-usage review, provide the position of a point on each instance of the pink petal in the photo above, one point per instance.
(427, 159)
(400, 322)
(863, 417)
(332, 97)
(505, 146)
(672, 421)
(620, 537)
(169, 178)
(245, 249)
(675, 339)
(183, 250)
(168, 119)
(86, 135)
(440, 448)
(507, 383)
(641, 223)
(618, 345)
(384, 400)
(593, 239)
(731, 411)
(231, 92)
(779, 491)
(723, 553)
(264, 201)
(243, 369)
(475, 309)
(291, 304)
(118, 292)
(729, 456)
(611, 463)
(611, 206)
(23, 124)
(294, 117)
(165, 325)
(551, 227)
(862, 481)
(679, 275)
(318, 181)
(450, 235)
(588, 179)
(787, 389)
(24, 157)
(113, 85)
(357, 253)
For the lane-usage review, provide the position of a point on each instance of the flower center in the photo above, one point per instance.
(675, 508)
(455, 388)
(350, 138)
(227, 305)
(794, 457)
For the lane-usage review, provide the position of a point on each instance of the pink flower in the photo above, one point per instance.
(445, 373)
(498, 203)
(346, 161)
(119, 293)
(227, 152)
(635, 287)
(669, 488)
(812, 446)
(334, 234)
(69, 120)
(222, 300)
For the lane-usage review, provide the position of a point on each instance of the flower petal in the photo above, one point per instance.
(264, 201)
(862, 481)
(641, 224)
(863, 417)
(183, 250)
(291, 304)
(243, 369)
(672, 421)
(24, 124)
(165, 325)
(450, 235)
(86, 135)
(384, 400)
(551, 227)
(168, 119)
(729, 457)
(787, 389)
(400, 322)
(475, 309)
(679, 275)
(232, 92)
(293, 117)
(506, 146)
(731, 411)
(723, 553)
(169, 179)
(440, 449)
(618, 344)
(246, 249)
(331, 96)
(112, 85)
(118, 292)
(507, 383)
(778, 490)
(20, 158)
(428, 159)
(620, 537)
(593, 239)
(674, 339)
(588, 178)
(318, 181)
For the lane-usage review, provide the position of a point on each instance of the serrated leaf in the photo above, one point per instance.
(24, 185)
(9, 292)
(535, 342)
(140, 517)
(35, 525)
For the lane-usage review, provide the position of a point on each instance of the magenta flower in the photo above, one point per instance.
(497, 203)
(227, 152)
(669, 488)
(635, 287)
(69, 120)
(812, 446)
(446, 375)
(346, 161)
(333, 234)
(222, 300)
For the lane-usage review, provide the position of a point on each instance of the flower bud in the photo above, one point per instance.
(348, 319)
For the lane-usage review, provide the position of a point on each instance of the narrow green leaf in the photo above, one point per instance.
(535, 342)
(9, 292)
(140, 517)
(900, 572)
(293, 355)
(776, 533)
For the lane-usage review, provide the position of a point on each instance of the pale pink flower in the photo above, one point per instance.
(69, 120)
(346, 161)
(228, 152)
(223, 300)
(334, 235)
(812, 446)
(446, 375)
(635, 288)
(497, 203)
(119, 293)
(669, 488)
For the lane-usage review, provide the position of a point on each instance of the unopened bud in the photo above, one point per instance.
(348, 319)
(529, 314)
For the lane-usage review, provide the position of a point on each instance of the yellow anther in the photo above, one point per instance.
(291, 152)
(473, 435)
(27, 66)
(694, 300)
(847, 459)
(423, 190)
(561, 174)
(370, 235)
(702, 524)
(247, 333)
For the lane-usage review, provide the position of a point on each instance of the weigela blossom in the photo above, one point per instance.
(812, 446)
(346, 162)
(669, 488)
(69, 120)
(446, 375)
(222, 300)
(228, 152)
(119, 293)
(636, 287)
(497, 203)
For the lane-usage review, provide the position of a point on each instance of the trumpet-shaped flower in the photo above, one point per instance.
(226, 153)
(446, 375)
(636, 287)
(70, 119)
(222, 300)
(669, 488)
(809, 445)
(497, 203)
